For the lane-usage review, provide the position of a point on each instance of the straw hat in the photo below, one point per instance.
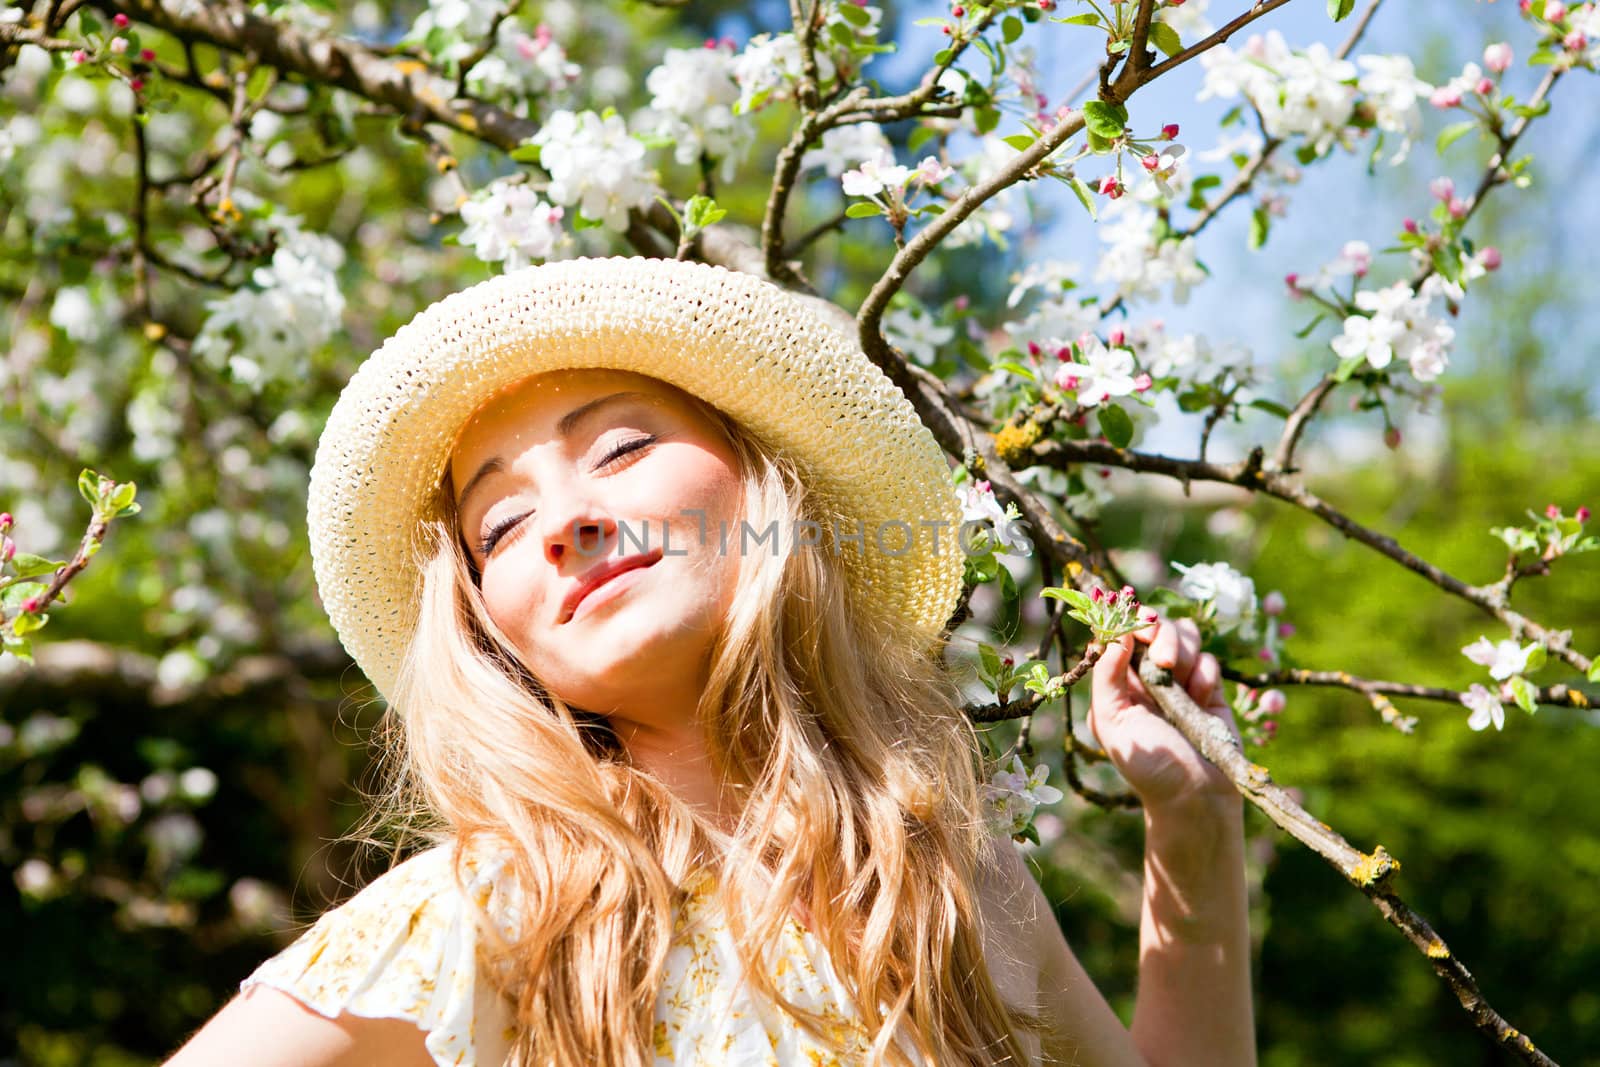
(744, 345)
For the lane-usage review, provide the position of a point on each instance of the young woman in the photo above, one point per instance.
(647, 558)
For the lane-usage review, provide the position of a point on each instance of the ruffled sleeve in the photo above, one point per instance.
(405, 947)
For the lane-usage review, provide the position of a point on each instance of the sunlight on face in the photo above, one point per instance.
(579, 493)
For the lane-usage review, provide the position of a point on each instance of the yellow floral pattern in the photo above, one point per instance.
(406, 947)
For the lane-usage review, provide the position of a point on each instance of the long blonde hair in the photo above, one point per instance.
(846, 740)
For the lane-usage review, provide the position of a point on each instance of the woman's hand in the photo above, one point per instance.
(1157, 761)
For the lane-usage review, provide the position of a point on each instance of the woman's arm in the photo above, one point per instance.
(263, 1027)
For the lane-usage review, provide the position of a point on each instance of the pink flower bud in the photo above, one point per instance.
(1392, 437)
(1286, 629)
(1265, 655)
(119, 20)
(80, 56)
(1490, 257)
(1096, 595)
(1525, 6)
(1033, 348)
(1148, 616)
(5, 521)
(1126, 592)
(1485, 86)
(983, 486)
(945, 29)
(29, 606)
(1555, 11)
(1457, 208)
(1270, 726)
(1105, 472)
(1582, 514)
(1552, 512)
(711, 42)
(1273, 701)
(1250, 695)
(8, 548)
(119, 45)
(1273, 603)
(1064, 353)
(1292, 280)
(962, 302)
(1118, 337)
(1070, 382)
(958, 11)
(148, 55)
(1575, 42)
(1442, 189)
(1009, 660)
(1169, 132)
(1047, 5)
(1142, 383)
(1109, 186)
(1151, 163)
(1445, 97)
(1497, 57)
(1409, 225)
(136, 84)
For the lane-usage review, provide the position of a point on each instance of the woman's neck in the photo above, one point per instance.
(679, 759)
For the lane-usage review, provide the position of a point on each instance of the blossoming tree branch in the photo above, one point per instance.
(209, 326)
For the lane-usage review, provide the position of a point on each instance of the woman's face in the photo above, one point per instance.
(582, 496)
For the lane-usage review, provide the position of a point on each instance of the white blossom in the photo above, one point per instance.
(1103, 373)
(1486, 708)
(596, 164)
(1012, 796)
(508, 221)
(979, 505)
(692, 96)
(1308, 93)
(1138, 264)
(845, 146)
(916, 334)
(1392, 87)
(1054, 324)
(1398, 324)
(874, 175)
(1229, 596)
(1054, 276)
(522, 65)
(462, 24)
(1503, 658)
(1189, 19)
(768, 69)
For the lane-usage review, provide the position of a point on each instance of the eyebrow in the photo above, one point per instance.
(564, 428)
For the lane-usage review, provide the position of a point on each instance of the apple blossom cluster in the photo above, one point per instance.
(507, 221)
(1012, 796)
(1226, 597)
(1485, 706)
(1099, 371)
(692, 95)
(916, 333)
(1571, 34)
(1256, 712)
(1004, 525)
(1141, 260)
(771, 64)
(1552, 535)
(521, 66)
(264, 333)
(595, 164)
(450, 30)
(845, 147)
(1398, 323)
(1314, 94)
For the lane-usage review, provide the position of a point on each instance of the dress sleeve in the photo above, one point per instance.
(404, 947)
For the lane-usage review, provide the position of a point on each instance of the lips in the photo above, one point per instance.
(601, 574)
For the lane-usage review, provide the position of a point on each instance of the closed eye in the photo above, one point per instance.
(492, 536)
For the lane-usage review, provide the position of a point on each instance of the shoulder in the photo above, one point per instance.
(404, 947)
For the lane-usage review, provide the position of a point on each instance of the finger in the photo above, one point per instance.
(1188, 650)
(1203, 680)
(1164, 647)
(1148, 633)
(1109, 689)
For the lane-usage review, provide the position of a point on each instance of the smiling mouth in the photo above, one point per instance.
(599, 576)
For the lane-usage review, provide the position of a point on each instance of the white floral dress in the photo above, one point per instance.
(406, 947)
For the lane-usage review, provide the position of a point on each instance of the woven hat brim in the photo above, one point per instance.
(736, 341)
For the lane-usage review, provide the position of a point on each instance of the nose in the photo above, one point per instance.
(575, 526)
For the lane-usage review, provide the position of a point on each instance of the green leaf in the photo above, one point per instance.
(856, 16)
(1099, 145)
(1010, 608)
(1260, 226)
(1453, 133)
(1340, 9)
(1348, 367)
(986, 118)
(1536, 659)
(1011, 28)
(989, 658)
(1105, 120)
(527, 152)
(12, 596)
(1029, 832)
(1594, 670)
(703, 211)
(1088, 18)
(1524, 692)
(1263, 404)
(27, 565)
(580, 221)
(1020, 141)
(919, 137)
(863, 210)
(942, 56)
(1016, 368)
(1165, 38)
(1085, 197)
(841, 33)
(1115, 424)
(23, 625)
(1072, 596)
(123, 496)
(89, 487)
